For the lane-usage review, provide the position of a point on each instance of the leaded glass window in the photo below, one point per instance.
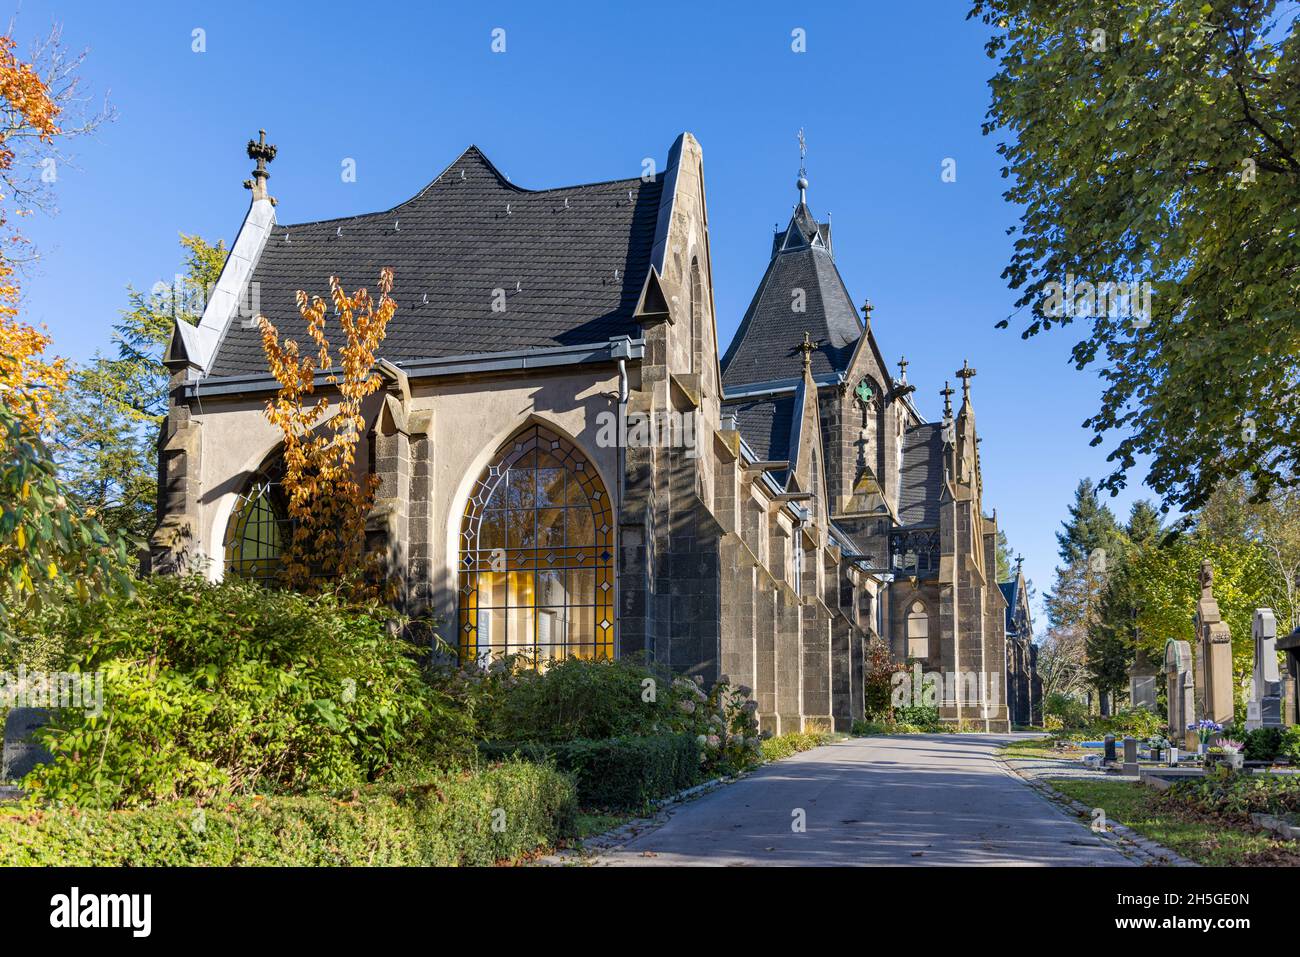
(537, 555)
(258, 528)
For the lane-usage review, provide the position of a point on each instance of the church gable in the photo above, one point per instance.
(480, 265)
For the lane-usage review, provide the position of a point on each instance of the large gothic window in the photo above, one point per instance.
(537, 555)
(258, 527)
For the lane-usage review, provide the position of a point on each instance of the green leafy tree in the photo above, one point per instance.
(50, 551)
(1156, 141)
(108, 420)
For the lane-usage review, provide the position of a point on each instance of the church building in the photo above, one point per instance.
(569, 465)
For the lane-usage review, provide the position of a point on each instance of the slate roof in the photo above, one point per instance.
(765, 424)
(764, 348)
(1009, 590)
(464, 235)
(921, 477)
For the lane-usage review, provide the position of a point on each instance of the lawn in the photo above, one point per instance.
(1040, 748)
(1203, 838)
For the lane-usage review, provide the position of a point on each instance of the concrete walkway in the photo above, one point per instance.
(893, 800)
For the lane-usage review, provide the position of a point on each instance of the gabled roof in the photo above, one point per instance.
(1009, 591)
(571, 263)
(764, 346)
(921, 477)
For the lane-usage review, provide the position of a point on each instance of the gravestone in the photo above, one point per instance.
(1142, 683)
(1110, 747)
(1290, 706)
(1130, 755)
(1180, 692)
(1214, 658)
(21, 753)
(1264, 709)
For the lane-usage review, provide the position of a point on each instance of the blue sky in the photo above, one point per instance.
(885, 92)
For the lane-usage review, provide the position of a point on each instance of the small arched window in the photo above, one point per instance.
(258, 529)
(918, 631)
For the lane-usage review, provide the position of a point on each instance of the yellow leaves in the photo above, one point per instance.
(20, 535)
(326, 502)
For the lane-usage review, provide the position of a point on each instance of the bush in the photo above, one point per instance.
(862, 729)
(446, 821)
(1222, 791)
(230, 689)
(924, 717)
(616, 773)
(1289, 746)
(595, 700)
(785, 745)
(1071, 712)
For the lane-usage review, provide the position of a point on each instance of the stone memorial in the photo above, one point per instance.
(1142, 683)
(1110, 747)
(1180, 689)
(1214, 654)
(1291, 683)
(1264, 708)
(1130, 755)
(21, 752)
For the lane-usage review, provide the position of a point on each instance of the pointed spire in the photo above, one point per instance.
(867, 307)
(264, 152)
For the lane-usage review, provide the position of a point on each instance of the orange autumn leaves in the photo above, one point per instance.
(28, 381)
(327, 503)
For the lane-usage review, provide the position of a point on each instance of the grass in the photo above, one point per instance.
(1037, 748)
(591, 823)
(1203, 838)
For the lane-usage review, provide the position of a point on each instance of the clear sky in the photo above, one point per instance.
(583, 92)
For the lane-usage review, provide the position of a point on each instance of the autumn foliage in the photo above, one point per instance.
(327, 502)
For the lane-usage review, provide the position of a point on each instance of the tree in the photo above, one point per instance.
(108, 418)
(1233, 514)
(327, 504)
(1006, 564)
(1091, 530)
(1086, 98)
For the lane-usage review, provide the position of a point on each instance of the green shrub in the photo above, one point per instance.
(229, 689)
(1289, 746)
(1262, 744)
(449, 820)
(921, 716)
(615, 773)
(595, 700)
(1071, 712)
(785, 745)
(1222, 791)
(862, 729)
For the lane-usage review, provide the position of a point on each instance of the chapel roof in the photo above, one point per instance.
(570, 261)
(764, 347)
(921, 476)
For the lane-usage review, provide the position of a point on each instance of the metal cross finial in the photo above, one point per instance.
(965, 373)
(1020, 560)
(902, 368)
(867, 307)
(803, 151)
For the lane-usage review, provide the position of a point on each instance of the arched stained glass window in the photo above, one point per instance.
(258, 527)
(537, 555)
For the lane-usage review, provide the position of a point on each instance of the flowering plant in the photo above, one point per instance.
(1205, 729)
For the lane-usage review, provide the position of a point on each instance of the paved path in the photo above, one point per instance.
(893, 800)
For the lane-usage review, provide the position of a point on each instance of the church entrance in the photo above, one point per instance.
(537, 555)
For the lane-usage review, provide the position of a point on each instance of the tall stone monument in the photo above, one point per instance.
(1214, 653)
(1264, 709)
(1180, 688)
(1142, 683)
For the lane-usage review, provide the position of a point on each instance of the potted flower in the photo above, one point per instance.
(1157, 746)
(1205, 730)
(1228, 752)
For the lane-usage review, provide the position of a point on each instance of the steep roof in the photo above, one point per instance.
(765, 424)
(764, 346)
(921, 476)
(571, 263)
(1009, 592)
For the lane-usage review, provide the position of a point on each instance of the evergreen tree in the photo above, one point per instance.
(1091, 526)
(109, 416)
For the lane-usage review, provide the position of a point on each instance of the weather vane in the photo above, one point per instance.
(803, 151)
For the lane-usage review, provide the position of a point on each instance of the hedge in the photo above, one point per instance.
(793, 742)
(451, 819)
(615, 773)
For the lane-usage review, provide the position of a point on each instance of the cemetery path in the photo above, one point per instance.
(890, 800)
